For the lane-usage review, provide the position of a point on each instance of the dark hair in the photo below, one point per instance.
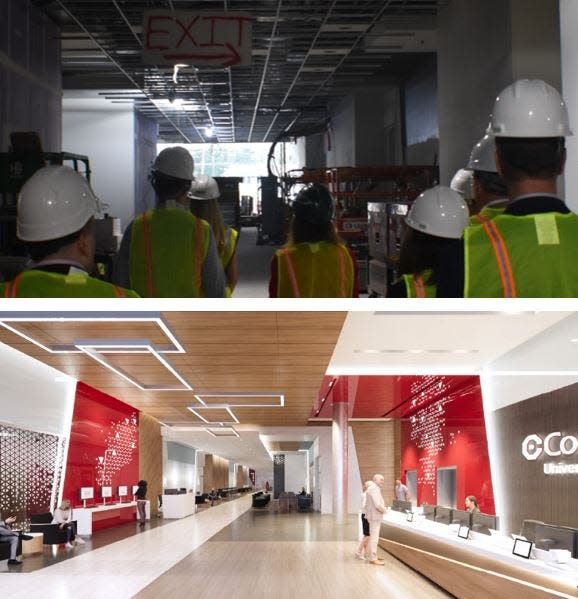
(39, 250)
(168, 187)
(305, 232)
(473, 499)
(142, 483)
(530, 157)
(421, 251)
(491, 183)
(314, 204)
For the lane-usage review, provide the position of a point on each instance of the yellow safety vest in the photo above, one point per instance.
(226, 252)
(416, 285)
(321, 269)
(487, 213)
(40, 283)
(522, 256)
(167, 252)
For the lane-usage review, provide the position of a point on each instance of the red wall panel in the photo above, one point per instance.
(449, 431)
(103, 448)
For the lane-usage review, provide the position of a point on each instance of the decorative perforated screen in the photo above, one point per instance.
(31, 466)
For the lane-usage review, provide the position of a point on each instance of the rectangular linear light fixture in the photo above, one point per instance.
(243, 395)
(95, 349)
(173, 347)
(195, 409)
(223, 431)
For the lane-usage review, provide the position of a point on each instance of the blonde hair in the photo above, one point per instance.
(65, 504)
(209, 210)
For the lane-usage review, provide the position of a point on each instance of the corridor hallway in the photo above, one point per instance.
(287, 556)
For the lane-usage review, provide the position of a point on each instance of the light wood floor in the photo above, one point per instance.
(287, 556)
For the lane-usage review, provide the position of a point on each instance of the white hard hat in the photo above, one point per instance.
(175, 162)
(463, 183)
(439, 211)
(204, 188)
(55, 202)
(529, 108)
(483, 156)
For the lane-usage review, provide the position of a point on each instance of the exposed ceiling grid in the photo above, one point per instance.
(307, 55)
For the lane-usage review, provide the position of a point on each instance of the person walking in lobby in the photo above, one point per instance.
(141, 501)
(362, 549)
(374, 510)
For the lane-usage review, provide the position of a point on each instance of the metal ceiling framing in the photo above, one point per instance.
(307, 56)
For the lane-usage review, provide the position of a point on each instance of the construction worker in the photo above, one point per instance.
(205, 196)
(436, 221)
(166, 251)
(530, 250)
(56, 210)
(489, 192)
(315, 262)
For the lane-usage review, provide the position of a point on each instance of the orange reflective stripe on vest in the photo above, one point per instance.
(291, 271)
(11, 288)
(502, 258)
(419, 286)
(118, 291)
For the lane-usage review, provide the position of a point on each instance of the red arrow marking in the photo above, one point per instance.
(232, 58)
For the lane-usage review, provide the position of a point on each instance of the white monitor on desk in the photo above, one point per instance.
(134, 489)
(105, 492)
(122, 491)
(86, 493)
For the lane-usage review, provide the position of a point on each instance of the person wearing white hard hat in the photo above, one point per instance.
(436, 221)
(490, 193)
(204, 196)
(56, 210)
(530, 249)
(167, 251)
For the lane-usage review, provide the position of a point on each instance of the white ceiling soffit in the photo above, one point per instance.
(554, 350)
(432, 343)
(246, 448)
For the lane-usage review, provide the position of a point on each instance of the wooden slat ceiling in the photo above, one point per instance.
(282, 352)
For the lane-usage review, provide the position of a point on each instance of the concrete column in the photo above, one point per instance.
(340, 450)
(484, 46)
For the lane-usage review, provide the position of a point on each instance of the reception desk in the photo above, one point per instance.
(178, 506)
(481, 567)
(105, 516)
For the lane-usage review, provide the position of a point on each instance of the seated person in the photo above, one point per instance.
(303, 492)
(213, 496)
(63, 517)
(472, 504)
(12, 536)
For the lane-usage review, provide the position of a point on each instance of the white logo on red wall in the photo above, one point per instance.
(121, 443)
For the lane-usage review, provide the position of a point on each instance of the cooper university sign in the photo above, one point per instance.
(554, 445)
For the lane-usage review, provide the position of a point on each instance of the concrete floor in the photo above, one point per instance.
(254, 265)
